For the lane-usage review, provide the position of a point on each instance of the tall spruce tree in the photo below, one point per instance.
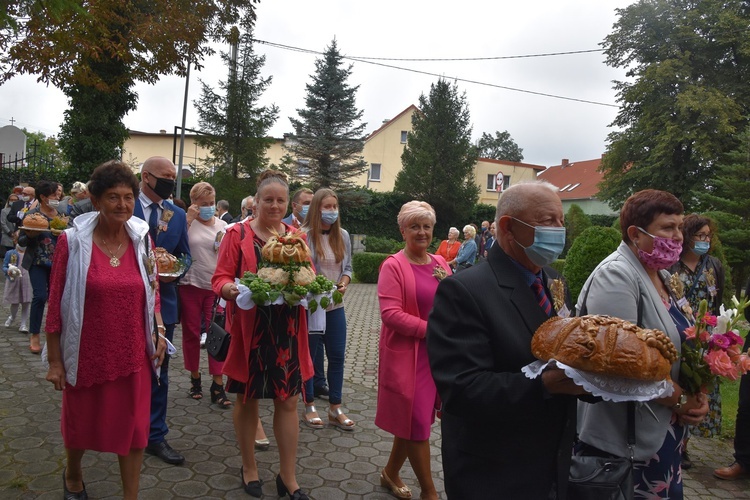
(235, 125)
(327, 141)
(729, 205)
(438, 160)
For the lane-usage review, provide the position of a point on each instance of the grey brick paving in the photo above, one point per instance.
(331, 464)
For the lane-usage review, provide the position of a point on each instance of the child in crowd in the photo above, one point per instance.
(17, 286)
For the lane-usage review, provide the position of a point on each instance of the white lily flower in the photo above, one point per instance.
(724, 320)
(735, 302)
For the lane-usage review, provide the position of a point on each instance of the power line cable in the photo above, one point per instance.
(465, 80)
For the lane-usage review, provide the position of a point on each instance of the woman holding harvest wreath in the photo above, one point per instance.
(632, 284)
(269, 355)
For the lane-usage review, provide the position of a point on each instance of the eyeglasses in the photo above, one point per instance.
(702, 237)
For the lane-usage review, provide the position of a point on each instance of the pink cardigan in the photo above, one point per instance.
(401, 331)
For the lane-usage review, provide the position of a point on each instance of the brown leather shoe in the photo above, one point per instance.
(734, 471)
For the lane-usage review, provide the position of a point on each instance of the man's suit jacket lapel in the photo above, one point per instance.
(510, 280)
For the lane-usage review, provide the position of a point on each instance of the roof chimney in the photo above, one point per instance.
(564, 163)
(162, 131)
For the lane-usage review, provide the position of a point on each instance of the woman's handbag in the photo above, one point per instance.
(604, 478)
(217, 340)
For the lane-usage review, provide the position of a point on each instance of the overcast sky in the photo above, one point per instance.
(547, 129)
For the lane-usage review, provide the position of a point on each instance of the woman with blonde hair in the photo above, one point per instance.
(196, 295)
(407, 396)
(331, 251)
(448, 249)
(268, 357)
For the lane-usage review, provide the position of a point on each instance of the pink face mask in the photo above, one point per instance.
(665, 254)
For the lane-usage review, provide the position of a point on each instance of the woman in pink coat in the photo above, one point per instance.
(406, 392)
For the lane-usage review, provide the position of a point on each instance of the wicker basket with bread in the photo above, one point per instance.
(35, 222)
(607, 346)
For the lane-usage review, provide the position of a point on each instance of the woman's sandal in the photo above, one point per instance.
(312, 422)
(333, 419)
(397, 491)
(219, 397)
(196, 391)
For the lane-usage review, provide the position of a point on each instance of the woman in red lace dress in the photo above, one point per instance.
(101, 351)
(268, 357)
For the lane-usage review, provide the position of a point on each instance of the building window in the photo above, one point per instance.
(303, 168)
(490, 182)
(375, 172)
(404, 134)
(506, 182)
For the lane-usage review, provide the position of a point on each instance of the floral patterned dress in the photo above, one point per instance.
(274, 363)
(697, 288)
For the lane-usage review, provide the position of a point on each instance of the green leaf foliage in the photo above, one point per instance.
(588, 250)
(438, 160)
(327, 139)
(685, 97)
(236, 126)
(728, 204)
(500, 147)
(366, 266)
(576, 222)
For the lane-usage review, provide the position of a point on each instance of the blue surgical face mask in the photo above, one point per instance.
(549, 243)
(701, 247)
(329, 216)
(303, 211)
(207, 213)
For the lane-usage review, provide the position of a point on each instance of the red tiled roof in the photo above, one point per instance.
(512, 163)
(410, 109)
(576, 180)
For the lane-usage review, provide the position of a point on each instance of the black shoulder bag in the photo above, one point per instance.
(218, 339)
(605, 478)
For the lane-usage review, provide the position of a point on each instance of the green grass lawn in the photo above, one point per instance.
(729, 398)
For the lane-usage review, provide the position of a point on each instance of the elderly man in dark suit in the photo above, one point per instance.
(168, 230)
(504, 435)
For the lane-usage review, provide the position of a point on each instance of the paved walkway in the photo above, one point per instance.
(331, 465)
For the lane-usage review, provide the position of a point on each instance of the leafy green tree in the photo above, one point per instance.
(327, 142)
(588, 250)
(96, 51)
(729, 206)
(500, 147)
(576, 222)
(42, 150)
(686, 95)
(438, 160)
(236, 125)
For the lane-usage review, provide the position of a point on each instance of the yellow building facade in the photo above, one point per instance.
(382, 152)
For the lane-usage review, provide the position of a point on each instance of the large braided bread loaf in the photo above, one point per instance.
(605, 345)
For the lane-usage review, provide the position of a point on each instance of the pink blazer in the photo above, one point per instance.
(400, 333)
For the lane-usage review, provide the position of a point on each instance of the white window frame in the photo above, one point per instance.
(404, 136)
(372, 178)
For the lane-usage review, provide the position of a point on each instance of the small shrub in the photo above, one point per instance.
(366, 266)
(604, 220)
(588, 250)
(376, 244)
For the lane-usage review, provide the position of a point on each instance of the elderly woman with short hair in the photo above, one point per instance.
(448, 249)
(467, 254)
(632, 283)
(407, 394)
(196, 295)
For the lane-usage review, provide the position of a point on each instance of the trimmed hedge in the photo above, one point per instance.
(587, 251)
(558, 265)
(375, 244)
(366, 266)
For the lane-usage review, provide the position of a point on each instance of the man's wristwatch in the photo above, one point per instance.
(680, 402)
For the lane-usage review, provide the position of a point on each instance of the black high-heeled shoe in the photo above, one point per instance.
(283, 491)
(71, 495)
(253, 488)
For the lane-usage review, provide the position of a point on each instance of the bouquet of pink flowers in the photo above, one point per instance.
(713, 348)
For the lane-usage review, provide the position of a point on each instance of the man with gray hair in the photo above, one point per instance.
(222, 207)
(246, 209)
(504, 435)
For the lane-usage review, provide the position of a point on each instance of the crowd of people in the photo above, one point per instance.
(455, 330)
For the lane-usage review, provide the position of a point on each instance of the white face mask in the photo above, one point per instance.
(53, 203)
